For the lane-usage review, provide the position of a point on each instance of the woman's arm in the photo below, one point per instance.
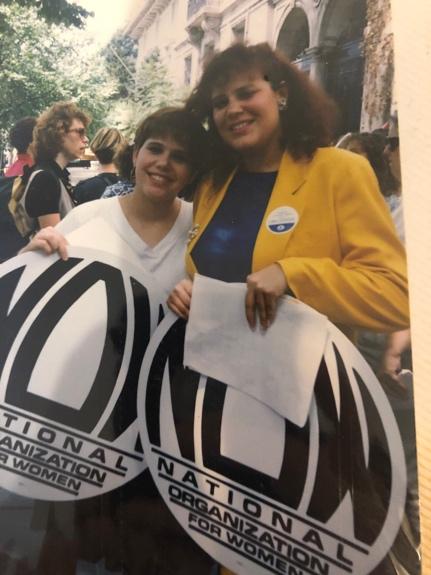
(48, 220)
(368, 286)
(43, 199)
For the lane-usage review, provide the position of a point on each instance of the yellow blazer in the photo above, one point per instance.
(343, 257)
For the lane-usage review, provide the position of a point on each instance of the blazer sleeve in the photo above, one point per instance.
(368, 287)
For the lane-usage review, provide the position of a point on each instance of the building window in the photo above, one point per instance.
(193, 6)
(187, 70)
(239, 32)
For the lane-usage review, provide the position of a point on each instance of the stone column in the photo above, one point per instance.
(320, 56)
(211, 29)
(379, 65)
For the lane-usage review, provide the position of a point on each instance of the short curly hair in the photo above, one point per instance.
(51, 127)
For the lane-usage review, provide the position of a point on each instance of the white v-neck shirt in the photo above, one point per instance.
(101, 224)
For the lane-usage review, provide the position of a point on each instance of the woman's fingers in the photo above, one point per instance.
(260, 299)
(49, 241)
(62, 248)
(264, 288)
(271, 309)
(179, 302)
(250, 310)
(178, 309)
(180, 298)
(187, 286)
(56, 241)
(264, 305)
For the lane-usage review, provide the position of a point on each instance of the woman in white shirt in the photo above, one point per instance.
(149, 226)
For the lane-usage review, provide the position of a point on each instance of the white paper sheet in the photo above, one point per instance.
(277, 367)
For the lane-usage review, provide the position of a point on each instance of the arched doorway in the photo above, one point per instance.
(294, 38)
(341, 35)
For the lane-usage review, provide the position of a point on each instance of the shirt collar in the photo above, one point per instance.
(62, 173)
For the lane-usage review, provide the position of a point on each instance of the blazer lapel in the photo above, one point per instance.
(207, 207)
(285, 205)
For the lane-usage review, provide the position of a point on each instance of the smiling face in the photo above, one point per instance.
(246, 114)
(162, 169)
(75, 141)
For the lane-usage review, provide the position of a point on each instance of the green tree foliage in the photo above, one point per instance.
(150, 91)
(120, 58)
(53, 11)
(40, 64)
(153, 87)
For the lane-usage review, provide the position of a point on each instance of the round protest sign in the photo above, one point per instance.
(73, 337)
(259, 493)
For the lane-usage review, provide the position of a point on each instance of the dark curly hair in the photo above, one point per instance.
(51, 127)
(21, 134)
(308, 121)
(373, 146)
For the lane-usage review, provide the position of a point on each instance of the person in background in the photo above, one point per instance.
(385, 162)
(123, 160)
(392, 153)
(372, 147)
(104, 145)
(20, 137)
(60, 136)
(398, 349)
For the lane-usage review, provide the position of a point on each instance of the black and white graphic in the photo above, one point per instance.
(260, 494)
(74, 334)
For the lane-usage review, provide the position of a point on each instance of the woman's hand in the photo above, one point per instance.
(390, 368)
(180, 298)
(48, 240)
(264, 288)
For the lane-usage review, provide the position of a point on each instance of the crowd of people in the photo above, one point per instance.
(275, 204)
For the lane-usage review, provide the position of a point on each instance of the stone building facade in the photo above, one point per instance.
(346, 45)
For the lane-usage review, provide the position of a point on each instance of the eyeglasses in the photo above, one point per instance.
(393, 144)
(82, 133)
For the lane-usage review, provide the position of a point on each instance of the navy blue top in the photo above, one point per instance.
(225, 249)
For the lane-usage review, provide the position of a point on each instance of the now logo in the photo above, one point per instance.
(257, 492)
(74, 334)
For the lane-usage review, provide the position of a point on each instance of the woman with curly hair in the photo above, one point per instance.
(60, 136)
(284, 211)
